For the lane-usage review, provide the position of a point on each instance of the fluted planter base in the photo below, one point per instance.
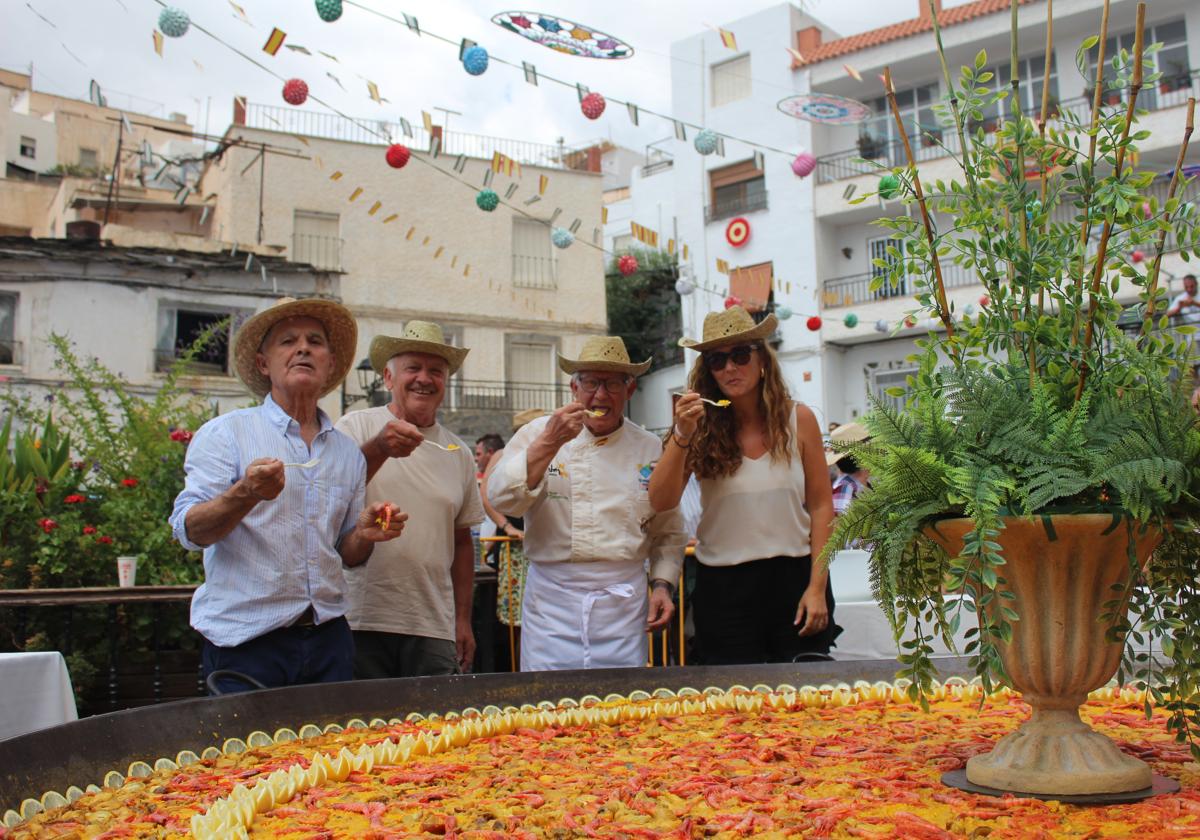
(1054, 752)
(1059, 572)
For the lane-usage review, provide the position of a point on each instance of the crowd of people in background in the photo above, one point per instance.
(339, 551)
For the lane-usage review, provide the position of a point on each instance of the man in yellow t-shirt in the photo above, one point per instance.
(411, 615)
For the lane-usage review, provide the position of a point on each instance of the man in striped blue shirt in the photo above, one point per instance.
(274, 497)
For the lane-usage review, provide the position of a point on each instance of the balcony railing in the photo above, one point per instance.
(506, 397)
(735, 207)
(382, 132)
(317, 251)
(11, 352)
(855, 289)
(534, 272)
(941, 142)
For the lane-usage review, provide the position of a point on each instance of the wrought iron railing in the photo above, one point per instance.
(382, 132)
(317, 251)
(736, 206)
(534, 272)
(1170, 92)
(491, 395)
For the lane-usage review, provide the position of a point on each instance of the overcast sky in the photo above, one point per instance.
(110, 41)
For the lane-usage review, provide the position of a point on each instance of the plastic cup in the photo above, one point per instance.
(126, 571)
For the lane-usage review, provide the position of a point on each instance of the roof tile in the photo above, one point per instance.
(904, 29)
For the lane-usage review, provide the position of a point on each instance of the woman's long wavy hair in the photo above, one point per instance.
(715, 452)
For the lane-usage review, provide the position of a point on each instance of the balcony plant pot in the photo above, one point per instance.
(1061, 571)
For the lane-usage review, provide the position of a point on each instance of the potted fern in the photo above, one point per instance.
(1047, 465)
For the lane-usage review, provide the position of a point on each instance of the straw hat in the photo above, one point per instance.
(418, 337)
(340, 329)
(849, 433)
(603, 353)
(732, 325)
(527, 416)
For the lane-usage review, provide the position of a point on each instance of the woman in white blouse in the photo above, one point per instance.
(766, 507)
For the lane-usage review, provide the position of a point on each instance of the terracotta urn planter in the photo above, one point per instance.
(1062, 570)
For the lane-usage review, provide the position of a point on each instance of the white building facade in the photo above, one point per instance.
(817, 247)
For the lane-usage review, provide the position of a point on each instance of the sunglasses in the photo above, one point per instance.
(717, 359)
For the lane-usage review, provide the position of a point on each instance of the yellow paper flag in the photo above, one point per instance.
(543, 182)
(373, 90)
(428, 120)
(438, 252)
(410, 233)
(336, 176)
(357, 192)
(374, 208)
(158, 42)
(391, 218)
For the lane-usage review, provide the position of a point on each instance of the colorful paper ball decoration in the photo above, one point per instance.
(910, 322)
(881, 325)
(984, 300)
(889, 186)
(627, 265)
(684, 287)
(1137, 256)
(813, 323)
(487, 200)
(329, 10)
(397, 155)
(783, 312)
(561, 237)
(851, 321)
(732, 301)
(803, 164)
(705, 142)
(475, 60)
(295, 92)
(592, 106)
(173, 22)
(969, 309)
(1147, 210)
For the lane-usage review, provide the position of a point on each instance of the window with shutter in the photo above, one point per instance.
(731, 80)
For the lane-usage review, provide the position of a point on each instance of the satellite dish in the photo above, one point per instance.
(96, 97)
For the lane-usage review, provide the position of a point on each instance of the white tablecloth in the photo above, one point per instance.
(35, 692)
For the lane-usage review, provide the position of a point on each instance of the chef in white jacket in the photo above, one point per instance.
(580, 478)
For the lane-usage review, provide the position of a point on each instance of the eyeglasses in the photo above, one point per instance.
(717, 359)
(591, 385)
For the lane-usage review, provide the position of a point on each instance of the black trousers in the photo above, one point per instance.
(288, 656)
(744, 614)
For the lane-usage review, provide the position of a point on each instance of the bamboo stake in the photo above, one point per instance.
(968, 170)
(1098, 272)
(1086, 229)
(1042, 127)
(943, 306)
(1014, 275)
(1152, 278)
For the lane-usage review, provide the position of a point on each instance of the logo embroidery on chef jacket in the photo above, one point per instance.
(644, 471)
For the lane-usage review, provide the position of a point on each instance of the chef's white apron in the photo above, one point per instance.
(584, 615)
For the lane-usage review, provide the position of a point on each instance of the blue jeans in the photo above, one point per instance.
(287, 656)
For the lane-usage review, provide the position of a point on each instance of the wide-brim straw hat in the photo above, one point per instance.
(418, 337)
(527, 416)
(732, 325)
(340, 329)
(849, 433)
(606, 354)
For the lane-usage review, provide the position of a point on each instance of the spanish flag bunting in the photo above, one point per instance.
(467, 270)
(438, 252)
(671, 246)
(391, 218)
(727, 39)
(374, 208)
(158, 42)
(424, 241)
(373, 91)
(852, 73)
(275, 41)
(722, 266)
(336, 176)
(410, 233)
(357, 192)
(685, 253)
(543, 182)
(428, 120)
(603, 215)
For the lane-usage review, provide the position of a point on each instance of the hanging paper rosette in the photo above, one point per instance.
(889, 186)
(803, 164)
(627, 265)
(705, 142)
(397, 155)
(487, 200)
(783, 312)
(295, 92)
(592, 106)
(173, 22)
(562, 238)
(813, 323)
(851, 321)
(329, 10)
(684, 287)
(475, 60)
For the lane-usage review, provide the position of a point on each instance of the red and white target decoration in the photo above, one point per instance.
(737, 232)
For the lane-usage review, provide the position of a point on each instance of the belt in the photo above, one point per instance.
(306, 619)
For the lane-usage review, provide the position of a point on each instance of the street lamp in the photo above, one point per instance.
(368, 384)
